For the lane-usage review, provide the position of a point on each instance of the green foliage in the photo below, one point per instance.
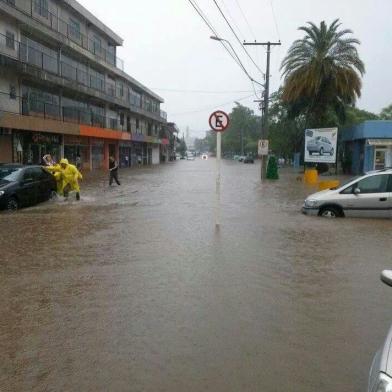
(181, 149)
(243, 124)
(272, 169)
(386, 113)
(322, 74)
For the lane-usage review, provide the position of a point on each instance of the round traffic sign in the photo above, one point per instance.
(219, 121)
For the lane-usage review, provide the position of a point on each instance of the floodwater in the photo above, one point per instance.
(133, 290)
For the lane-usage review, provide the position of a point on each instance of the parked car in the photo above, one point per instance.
(249, 160)
(21, 186)
(321, 145)
(367, 196)
(380, 375)
(190, 156)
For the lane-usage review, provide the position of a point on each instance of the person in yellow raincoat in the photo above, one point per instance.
(71, 176)
(67, 177)
(56, 171)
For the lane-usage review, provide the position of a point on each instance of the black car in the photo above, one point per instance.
(249, 160)
(24, 185)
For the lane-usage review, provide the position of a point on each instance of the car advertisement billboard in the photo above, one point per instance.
(320, 145)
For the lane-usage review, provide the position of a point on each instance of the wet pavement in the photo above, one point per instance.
(133, 290)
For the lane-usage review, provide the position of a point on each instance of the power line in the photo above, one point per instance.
(208, 23)
(236, 36)
(222, 41)
(246, 20)
(274, 17)
(200, 91)
(211, 107)
(232, 19)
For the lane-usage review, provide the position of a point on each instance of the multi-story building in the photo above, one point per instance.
(63, 90)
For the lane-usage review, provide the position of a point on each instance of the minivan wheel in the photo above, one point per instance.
(330, 212)
(332, 151)
(321, 151)
(12, 204)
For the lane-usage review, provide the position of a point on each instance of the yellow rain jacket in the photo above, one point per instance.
(71, 175)
(67, 176)
(56, 170)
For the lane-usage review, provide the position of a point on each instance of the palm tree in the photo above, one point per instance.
(322, 73)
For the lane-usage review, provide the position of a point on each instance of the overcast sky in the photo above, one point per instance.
(167, 47)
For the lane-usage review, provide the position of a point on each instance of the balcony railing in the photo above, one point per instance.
(44, 16)
(31, 106)
(29, 55)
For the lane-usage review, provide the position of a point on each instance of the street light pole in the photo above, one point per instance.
(264, 158)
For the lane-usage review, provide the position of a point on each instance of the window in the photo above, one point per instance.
(121, 118)
(12, 92)
(10, 40)
(74, 28)
(41, 8)
(374, 184)
(113, 123)
(137, 125)
(97, 45)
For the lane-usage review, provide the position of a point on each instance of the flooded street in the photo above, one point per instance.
(132, 290)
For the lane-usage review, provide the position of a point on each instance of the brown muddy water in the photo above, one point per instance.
(132, 290)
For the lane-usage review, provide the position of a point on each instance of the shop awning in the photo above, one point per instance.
(379, 142)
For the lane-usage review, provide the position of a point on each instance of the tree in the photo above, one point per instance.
(181, 149)
(322, 74)
(245, 125)
(386, 113)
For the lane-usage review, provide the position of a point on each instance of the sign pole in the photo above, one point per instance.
(219, 122)
(218, 180)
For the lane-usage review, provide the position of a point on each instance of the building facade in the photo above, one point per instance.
(368, 146)
(63, 90)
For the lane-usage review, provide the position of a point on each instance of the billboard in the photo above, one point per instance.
(320, 145)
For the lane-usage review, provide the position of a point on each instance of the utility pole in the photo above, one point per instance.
(264, 158)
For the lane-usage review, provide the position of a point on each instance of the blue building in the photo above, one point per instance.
(368, 146)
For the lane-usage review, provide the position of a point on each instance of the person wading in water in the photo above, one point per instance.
(113, 171)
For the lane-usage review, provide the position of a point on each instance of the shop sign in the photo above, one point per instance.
(137, 137)
(45, 138)
(75, 140)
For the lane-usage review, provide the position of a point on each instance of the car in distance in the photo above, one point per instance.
(321, 145)
(21, 186)
(190, 156)
(249, 160)
(204, 157)
(367, 196)
(380, 375)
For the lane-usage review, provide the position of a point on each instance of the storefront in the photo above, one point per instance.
(5, 145)
(368, 146)
(97, 153)
(125, 151)
(30, 147)
(77, 146)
